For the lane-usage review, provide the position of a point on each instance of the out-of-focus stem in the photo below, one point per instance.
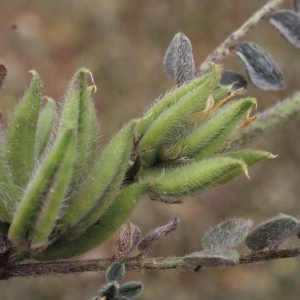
(233, 39)
(134, 263)
(268, 120)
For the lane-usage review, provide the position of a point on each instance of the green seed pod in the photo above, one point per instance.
(93, 136)
(210, 136)
(20, 138)
(198, 88)
(227, 234)
(104, 181)
(32, 202)
(272, 232)
(250, 157)
(115, 272)
(175, 119)
(53, 199)
(189, 179)
(130, 290)
(221, 92)
(208, 258)
(44, 127)
(110, 221)
(9, 194)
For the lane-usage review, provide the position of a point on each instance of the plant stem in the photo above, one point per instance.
(268, 120)
(233, 39)
(134, 263)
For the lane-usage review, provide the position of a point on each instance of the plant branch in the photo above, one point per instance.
(233, 39)
(268, 120)
(134, 263)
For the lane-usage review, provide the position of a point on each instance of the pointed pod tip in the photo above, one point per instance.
(245, 169)
(270, 155)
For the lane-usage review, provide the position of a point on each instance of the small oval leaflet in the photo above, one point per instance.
(227, 234)
(262, 70)
(272, 232)
(208, 258)
(179, 61)
(296, 4)
(287, 23)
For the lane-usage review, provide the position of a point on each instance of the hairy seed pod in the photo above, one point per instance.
(210, 136)
(175, 119)
(251, 157)
(173, 183)
(44, 127)
(77, 111)
(40, 185)
(9, 194)
(53, 198)
(208, 258)
(110, 221)
(220, 93)
(196, 88)
(21, 131)
(93, 136)
(104, 181)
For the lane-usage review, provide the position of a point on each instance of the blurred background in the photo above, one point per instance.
(123, 43)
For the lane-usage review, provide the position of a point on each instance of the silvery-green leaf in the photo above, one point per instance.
(208, 258)
(296, 4)
(227, 234)
(262, 70)
(115, 272)
(130, 290)
(179, 62)
(287, 23)
(272, 232)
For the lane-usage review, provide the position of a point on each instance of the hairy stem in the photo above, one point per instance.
(268, 120)
(233, 39)
(134, 263)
